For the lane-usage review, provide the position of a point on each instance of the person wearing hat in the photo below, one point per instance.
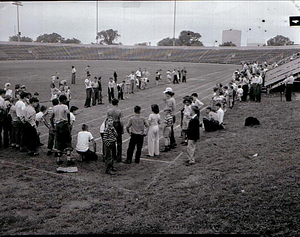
(17, 91)
(8, 91)
(193, 134)
(38, 107)
(171, 104)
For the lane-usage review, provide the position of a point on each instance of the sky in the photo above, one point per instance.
(151, 21)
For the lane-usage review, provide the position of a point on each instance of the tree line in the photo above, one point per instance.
(110, 37)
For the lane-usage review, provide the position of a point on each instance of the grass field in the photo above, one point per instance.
(226, 191)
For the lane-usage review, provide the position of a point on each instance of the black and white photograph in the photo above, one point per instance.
(150, 117)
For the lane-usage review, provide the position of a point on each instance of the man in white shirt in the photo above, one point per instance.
(84, 138)
(289, 81)
(89, 90)
(196, 101)
(20, 105)
(132, 81)
(220, 113)
(73, 75)
(139, 76)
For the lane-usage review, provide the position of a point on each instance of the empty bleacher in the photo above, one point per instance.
(224, 55)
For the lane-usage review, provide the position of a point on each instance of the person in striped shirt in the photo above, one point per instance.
(109, 139)
(168, 123)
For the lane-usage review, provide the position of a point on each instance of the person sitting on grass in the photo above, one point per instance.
(84, 137)
(211, 123)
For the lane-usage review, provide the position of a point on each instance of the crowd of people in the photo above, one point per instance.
(21, 115)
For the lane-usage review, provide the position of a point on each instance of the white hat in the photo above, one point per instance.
(168, 89)
(7, 84)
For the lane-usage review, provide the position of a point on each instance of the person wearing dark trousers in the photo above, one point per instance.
(100, 91)
(2, 113)
(84, 137)
(115, 113)
(73, 75)
(109, 139)
(95, 93)
(20, 105)
(30, 128)
(171, 104)
(89, 90)
(137, 127)
(115, 76)
(245, 88)
(175, 77)
(289, 81)
(183, 73)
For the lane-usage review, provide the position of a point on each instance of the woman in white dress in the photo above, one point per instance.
(153, 133)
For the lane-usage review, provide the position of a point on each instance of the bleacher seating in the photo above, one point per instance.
(225, 55)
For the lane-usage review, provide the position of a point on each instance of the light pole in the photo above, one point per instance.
(97, 21)
(174, 23)
(18, 4)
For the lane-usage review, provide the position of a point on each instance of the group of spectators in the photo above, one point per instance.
(21, 114)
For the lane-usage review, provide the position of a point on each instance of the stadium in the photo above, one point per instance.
(245, 179)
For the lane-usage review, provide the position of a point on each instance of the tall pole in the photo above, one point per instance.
(18, 23)
(18, 20)
(97, 21)
(174, 23)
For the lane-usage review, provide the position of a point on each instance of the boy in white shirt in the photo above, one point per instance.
(239, 92)
(220, 114)
(84, 137)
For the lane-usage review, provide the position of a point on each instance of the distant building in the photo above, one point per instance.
(232, 36)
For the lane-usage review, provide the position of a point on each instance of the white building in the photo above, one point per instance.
(233, 36)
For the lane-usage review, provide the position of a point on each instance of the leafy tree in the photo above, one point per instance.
(168, 42)
(189, 38)
(22, 39)
(108, 37)
(50, 38)
(279, 40)
(71, 41)
(227, 44)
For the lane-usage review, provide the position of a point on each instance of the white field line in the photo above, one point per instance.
(159, 173)
(158, 93)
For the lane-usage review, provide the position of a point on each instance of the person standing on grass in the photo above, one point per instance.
(109, 139)
(30, 127)
(20, 105)
(100, 91)
(145, 76)
(171, 104)
(185, 120)
(14, 120)
(61, 120)
(220, 114)
(115, 76)
(73, 75)
(132, 79)
(138, 75)
(245, 87)
(137, 127)
(175, 77)
(193, 135)
(111, 89)
(169, 76)
(52, 129)
(84, 137)
(115, 113)
(88, 89)
(183, 74)
(2, 113)
(153, 133)
(87, 69)
(168, 123)
(196, 101)
(73, 110)
(289, 81)
(95, 93)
